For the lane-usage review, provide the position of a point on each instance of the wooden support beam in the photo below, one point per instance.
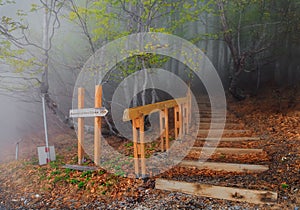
(97, 126)
(219, 192)
(229, 167)
(80, 126)
(226, 150)
(135, 112)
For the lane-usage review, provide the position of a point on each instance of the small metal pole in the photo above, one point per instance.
(17, 151)
(17, 148)
(46, 129)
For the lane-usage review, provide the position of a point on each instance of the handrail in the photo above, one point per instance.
(135, 112)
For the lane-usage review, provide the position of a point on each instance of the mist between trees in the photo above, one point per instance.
(44, 44)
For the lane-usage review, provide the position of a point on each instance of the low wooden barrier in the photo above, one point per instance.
(182, 117)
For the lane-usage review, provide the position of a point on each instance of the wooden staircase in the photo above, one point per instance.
(233, 145)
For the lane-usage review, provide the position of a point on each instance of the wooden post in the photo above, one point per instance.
(180, 123)
(176, 121)
(189, 106)
(167, 128)
(142, 143)
(185, 119)
(135, 126)
(139, 146)
(97, 126)
(80, 126)
(162, 130)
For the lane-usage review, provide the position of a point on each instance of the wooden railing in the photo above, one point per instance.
(182, 116)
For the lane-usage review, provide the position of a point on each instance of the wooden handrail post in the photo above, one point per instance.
(97, 126)
(162, 130)
(185, 116)
(189, 106)
(142, 143)
(80, 126)
(166, 111)
(139, 146)
(135, 126)
(180, 120)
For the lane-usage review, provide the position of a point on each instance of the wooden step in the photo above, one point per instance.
(226, 150)
(225, 131)
(229, 167)
(230, 139)
(216, 120)
(80, 168)
(219, 192)
(206, 125)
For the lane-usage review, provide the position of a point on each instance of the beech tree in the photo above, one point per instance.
(250, 29)
(28, 57)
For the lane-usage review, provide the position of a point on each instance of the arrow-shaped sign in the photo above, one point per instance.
(88, 112)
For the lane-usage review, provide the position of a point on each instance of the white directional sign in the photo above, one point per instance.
(88, 112)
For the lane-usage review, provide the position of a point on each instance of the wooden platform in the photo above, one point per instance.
(219, 192)
(229, 167)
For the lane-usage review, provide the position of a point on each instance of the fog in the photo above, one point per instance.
(21, 115)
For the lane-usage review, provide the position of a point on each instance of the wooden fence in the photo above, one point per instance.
(182, 118)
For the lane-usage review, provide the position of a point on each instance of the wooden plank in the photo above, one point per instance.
(227, 150)
(216, 120)
(80, 168)
(80, 126)
(229, 139)
(209, 112)
(225, 131)
(229, 167)
(219, 192)
(135, 112)
(217, 125)
(97, 126)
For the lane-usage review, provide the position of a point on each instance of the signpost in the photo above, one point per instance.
(88, 112)
(97, 113)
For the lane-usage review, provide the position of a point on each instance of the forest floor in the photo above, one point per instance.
(273, 117)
